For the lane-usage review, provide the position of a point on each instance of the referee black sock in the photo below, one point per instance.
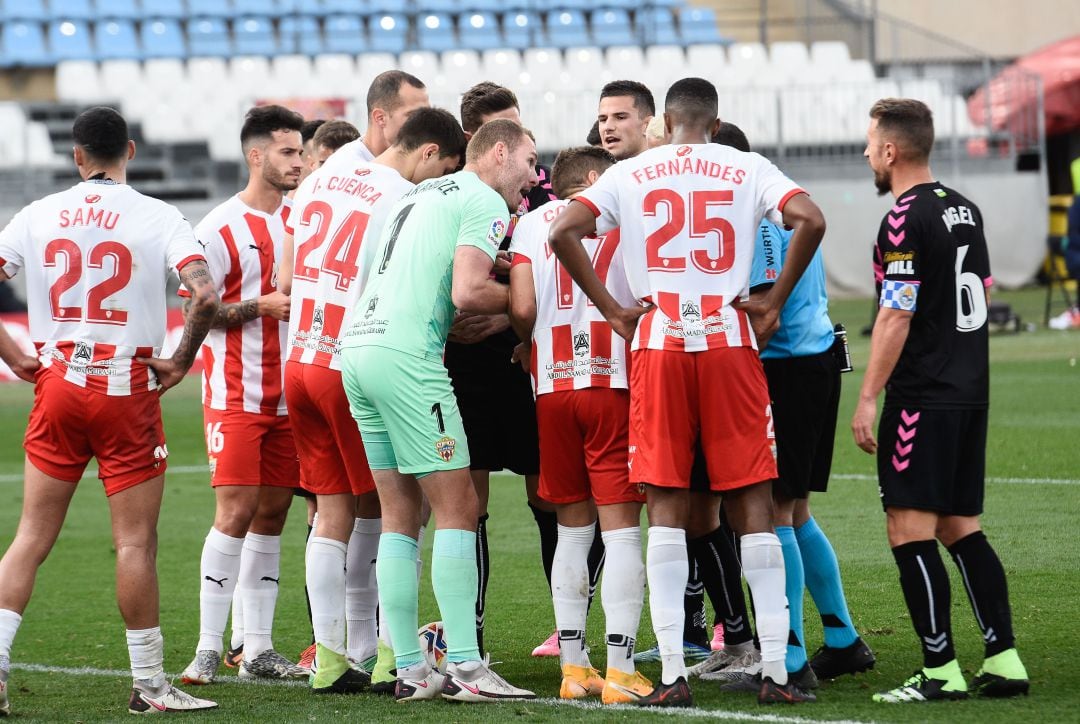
(483, 569)
(548, 525)
(987, 589)
(925, 583)
(720, 572)
(596, 561)
(694, 630)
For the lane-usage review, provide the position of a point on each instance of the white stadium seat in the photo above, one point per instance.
(78, 80)
(829, 53)
(501, 66)
(747, 56)
(789, 57)
(120, 77)
(463, 64)
(250, 77)
(421, 63)
(334, 75)
(705, 60)
(292, 75)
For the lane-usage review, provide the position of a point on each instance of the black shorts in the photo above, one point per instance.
(805, 394)
(497, 407)
(932, 459)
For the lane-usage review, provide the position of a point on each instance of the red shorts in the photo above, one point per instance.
(583, 444)
(248, 448)
(719, 394)
(70, 424)
(332, 459)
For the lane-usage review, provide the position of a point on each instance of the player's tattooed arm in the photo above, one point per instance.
(199, 312)
(274, 305)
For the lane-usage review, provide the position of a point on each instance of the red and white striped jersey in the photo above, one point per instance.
(242, 365)
(337, 217)
(688, 216)
(573, 347)
(97, 258)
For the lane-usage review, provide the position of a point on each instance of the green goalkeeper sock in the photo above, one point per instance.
(395, 568)
(453, 576)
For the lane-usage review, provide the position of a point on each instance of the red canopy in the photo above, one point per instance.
(1012, 96)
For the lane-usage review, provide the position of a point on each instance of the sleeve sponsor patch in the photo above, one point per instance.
(901, 295)
(496, 232)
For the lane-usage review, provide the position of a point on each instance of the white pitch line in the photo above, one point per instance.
(693, 713)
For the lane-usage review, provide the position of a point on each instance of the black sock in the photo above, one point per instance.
(694, 631)
(721, 574)
(548, 525)
(987, 589)
(307, 596)
(925, 583)
(483, 568)
(596, 561)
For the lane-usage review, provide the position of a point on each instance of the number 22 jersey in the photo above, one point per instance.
(688, 217)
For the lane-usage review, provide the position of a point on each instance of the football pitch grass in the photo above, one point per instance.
(70, 662)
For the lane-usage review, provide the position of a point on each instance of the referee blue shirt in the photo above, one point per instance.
(805, 327)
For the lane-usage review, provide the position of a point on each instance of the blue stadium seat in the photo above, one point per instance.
(163, 9)
(344, 34)
(384, 7)
(24, 44)
(116, 40)
(435, 31)
(254, 36)
(620, 4)
(522, 29)
(70, 40)
(70, 9)
(209, 37)
(345, 7)
(126, 9)
(555, 5)
(496, 6)
(426, 7)
(479, 31)
(612, 27)
(261, 8)
(300, 35)
(698, 26)
(162, 38)
(657, 27)
(23, 10)
(209, 8)
(567, 29)
(388, 32)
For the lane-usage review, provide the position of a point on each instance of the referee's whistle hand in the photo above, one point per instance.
(862, 425)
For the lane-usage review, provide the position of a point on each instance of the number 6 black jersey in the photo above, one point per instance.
(933, 253)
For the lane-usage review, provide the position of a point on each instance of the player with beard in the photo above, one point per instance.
(253, 465)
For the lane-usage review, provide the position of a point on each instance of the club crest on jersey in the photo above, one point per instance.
(684, 151)
(497, 232)
(446, 446)
(581, 344)
(362, 171)
(82, 353)
(92, 199)
(371, 306)
(317, 320)
(691, 311)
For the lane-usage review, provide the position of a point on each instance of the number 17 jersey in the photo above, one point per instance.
(688, 217)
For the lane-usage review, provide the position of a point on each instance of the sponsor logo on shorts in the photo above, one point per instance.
(446, 446)
(213, 466)
(160, 453)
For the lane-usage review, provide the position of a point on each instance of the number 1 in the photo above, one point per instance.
(436, 410)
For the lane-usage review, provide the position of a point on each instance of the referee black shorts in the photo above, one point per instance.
(932, 459)
(497, 407)
(805, 394)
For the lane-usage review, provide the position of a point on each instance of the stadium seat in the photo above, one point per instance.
(163, 38)
(424, 64)
(209, 8)
(24, 44)
(789, 57)
(264, 8)
(70, 10)
(70, 40)
(118, 75)
(116, 39)
(388, 32)
(502, 66)
(300, 35)
(435, 31)
(543, 63)
(207, 76)
(292, 74)
(23, 10)
(335, 75)
(567, 29)
(464, 63)
(747, 56)
(611, 27)
(698, 25)
(254, 36)
(620, 59)
(345, 7)
(163, 9)
(250, 77)
(427, 7)
(344, 34)
(164, 74)
(479, 31)
(12, 140)
(584, 70)
(522, 29)
(209, 37)
(657, 27)
(125, 9)
(496, 6)
(829, 53)
(78, 80)
(706, 59)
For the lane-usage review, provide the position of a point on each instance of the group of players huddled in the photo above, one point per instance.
(645, 323)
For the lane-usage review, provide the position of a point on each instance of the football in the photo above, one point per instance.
(433, 645)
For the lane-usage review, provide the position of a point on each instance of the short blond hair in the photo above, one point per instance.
(500, 130)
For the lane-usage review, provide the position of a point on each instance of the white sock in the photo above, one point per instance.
(146, 648)
(668, 571)
(361, 589)
(260, 569)
(570, 591)
(326, 589)
(763, 567)
(236, 637)
(622, 593)
(218, 572)
(9, 625)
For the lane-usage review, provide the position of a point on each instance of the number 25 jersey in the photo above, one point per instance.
(96, 258)
(688, 217)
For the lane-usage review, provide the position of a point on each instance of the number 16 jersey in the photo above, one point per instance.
(688, 217)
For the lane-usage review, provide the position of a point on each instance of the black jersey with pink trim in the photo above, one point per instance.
(935, 264)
